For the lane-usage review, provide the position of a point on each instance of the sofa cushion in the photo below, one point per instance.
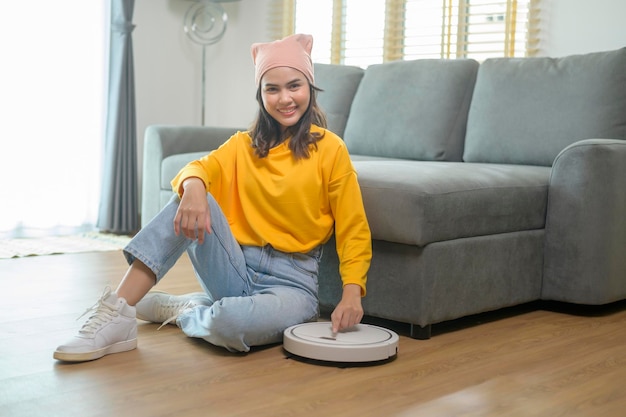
(412, 110)
(418, 203)
(172, 164)
(526, 110)
(339, 84)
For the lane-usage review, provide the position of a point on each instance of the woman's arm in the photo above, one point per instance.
(193, 216)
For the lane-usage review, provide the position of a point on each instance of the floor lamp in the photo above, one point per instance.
(205, 24)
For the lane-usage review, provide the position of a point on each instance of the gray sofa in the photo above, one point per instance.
(486, 185)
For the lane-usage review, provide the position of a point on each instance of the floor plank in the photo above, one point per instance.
(536, 360)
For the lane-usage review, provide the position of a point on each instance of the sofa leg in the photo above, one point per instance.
(419, 332)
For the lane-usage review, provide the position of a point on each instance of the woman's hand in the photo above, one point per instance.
(349, 311)
(193, 216)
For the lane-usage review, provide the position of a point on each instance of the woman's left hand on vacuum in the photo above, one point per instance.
(349, 311)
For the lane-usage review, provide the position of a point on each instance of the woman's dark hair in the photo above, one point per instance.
(266, 131)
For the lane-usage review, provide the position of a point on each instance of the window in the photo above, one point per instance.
(53, 85)
(364, 32)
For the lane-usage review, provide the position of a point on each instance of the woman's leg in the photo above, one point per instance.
(283, 292)
(137, 281)
(112, 327)
(218, 263)
(156, 246)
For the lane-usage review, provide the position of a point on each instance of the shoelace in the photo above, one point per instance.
(173, 310)
(103, 313)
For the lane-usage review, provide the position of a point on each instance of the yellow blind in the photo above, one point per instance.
(281, 20)
(365, 32)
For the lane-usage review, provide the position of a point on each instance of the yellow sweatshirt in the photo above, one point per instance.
(292, 205)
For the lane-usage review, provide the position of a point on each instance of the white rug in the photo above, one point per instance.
(86, 242)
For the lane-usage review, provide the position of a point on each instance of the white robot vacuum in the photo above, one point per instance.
(361, 343)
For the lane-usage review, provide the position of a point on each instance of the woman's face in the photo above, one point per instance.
(286, 95)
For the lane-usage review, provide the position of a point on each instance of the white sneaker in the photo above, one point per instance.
(161, 307)
(112, 328)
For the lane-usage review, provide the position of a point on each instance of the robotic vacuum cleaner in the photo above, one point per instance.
(361, 343)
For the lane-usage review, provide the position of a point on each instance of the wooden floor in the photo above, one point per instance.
(532, 361)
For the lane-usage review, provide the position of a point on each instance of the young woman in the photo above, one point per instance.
(253, 216)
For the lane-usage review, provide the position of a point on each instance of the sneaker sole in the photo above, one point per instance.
(95, 354)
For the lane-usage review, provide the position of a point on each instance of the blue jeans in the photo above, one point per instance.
(252, 293)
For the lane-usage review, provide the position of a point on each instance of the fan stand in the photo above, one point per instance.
(205, 24)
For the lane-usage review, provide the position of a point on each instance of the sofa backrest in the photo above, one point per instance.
(526, 110)
(412, 110)
(339, 84)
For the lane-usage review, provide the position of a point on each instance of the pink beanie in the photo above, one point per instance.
(293, 51)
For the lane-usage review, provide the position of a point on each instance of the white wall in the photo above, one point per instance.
(580, 26)
(168, 64)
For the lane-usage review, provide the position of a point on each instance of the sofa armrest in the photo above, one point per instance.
(585, 240)
(163, 141)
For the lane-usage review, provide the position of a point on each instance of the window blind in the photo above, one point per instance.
(365, 32)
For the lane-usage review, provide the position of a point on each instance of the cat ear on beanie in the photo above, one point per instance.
(293, 51)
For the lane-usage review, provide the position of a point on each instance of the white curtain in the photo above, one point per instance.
(52, 85)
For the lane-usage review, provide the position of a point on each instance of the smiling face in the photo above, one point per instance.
(286, 95)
